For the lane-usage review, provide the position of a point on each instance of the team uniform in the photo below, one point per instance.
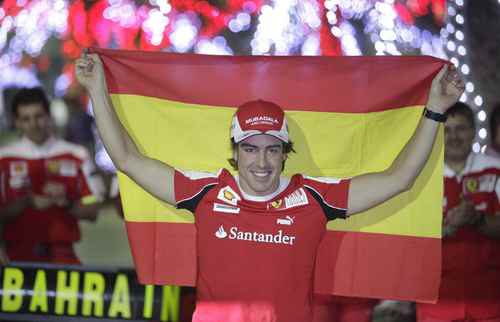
(256, 255)
(470, 286)
(45, 235)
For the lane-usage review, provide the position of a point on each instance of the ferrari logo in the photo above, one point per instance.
(471, 185)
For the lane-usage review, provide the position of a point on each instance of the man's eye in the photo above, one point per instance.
(248, 150)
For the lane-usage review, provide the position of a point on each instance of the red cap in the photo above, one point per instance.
(259, 117)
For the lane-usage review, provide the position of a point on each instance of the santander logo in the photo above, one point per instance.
(221, 233)
(234, 233)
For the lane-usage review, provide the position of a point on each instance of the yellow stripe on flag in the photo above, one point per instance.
(196, 137)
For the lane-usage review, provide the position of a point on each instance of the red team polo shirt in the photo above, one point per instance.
(257, 257)
(470, 286)
(38, 235)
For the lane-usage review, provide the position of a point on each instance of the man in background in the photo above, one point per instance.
(470, 287)
(46, 186)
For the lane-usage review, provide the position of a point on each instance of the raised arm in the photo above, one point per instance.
(154, 176)
(369, 190)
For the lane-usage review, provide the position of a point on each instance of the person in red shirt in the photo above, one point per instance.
(258, 232)
(470, 287)
(46, 185)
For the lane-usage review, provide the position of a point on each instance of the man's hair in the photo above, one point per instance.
(26, 96)
(464, 110)
(494, 121)
(287, 148)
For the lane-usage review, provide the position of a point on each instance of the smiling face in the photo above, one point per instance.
(260, 161)
(34, 122)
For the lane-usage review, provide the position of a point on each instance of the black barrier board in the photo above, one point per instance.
(78, 293)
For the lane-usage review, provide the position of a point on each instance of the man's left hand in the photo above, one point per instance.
(446, 89)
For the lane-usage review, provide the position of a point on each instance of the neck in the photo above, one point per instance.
(456, 165)
(40, 142)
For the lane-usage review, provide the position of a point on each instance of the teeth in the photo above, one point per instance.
(261, 174)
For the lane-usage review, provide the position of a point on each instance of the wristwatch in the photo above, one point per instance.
(438, 117)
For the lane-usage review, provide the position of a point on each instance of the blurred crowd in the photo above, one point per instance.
(49, 182)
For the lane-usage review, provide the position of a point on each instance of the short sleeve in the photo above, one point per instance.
(331, 193)
(191, 186)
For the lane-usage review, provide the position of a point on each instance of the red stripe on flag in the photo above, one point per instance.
(383, 266)
(164, 253)
(325, 84)
(376, 258)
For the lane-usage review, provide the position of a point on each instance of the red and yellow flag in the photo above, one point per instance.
(347, 116)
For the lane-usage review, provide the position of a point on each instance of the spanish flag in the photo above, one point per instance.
(347, 116)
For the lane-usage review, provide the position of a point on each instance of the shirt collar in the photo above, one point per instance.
(284, 181)
(44, 147)
(449, 172)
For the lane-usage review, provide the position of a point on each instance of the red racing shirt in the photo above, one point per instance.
(257, 256)
(26, 167)
(470, 285)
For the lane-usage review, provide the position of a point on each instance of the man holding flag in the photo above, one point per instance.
(258, 232)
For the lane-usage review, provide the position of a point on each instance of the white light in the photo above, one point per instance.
(450, 45)
(243, 18)
(61, 85)
(459, 19)
(387, 35)
(459, 35)
(59, 112)
(379, 46)
(386, 22)
(218, 46)
(155, 25)
(450, 28)
(451, 11)
(406, 35)
(476, 147)
(183, 35)
(311, 47)
(469, 87)
(459, 2)
(465, 69)
(454, 61)
(463, 98)
(235, 26)
(483, 148)
(461, 50)
(337, 32)
(483, 133)
(478, 100)
(330, 4)
(481, 115)
(332, 17)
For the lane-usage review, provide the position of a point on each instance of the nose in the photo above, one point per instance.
(262, 161)
(450, 134)
(31, 122)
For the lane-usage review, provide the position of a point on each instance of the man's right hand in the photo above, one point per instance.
(41, 202)
(463, 214)
(89, 72)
